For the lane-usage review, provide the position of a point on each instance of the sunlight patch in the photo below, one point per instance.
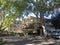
(29, 44)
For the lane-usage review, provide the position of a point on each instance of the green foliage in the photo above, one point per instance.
(15, 7)
(12, 7)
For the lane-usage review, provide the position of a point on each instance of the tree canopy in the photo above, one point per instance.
(11, 9)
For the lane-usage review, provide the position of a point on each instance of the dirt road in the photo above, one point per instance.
(30, 41)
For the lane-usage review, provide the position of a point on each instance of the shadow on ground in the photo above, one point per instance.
(30, 41)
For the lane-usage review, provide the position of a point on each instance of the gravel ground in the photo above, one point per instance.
(11, 40)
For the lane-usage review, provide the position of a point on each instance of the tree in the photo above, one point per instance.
(16, 7)
(10, 10)
(42, 6)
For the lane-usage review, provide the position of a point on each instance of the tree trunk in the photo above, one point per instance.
(42, 20)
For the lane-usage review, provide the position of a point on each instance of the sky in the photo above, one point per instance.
(33, 15)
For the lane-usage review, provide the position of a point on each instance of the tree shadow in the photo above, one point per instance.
(24, 42)
(27, 41)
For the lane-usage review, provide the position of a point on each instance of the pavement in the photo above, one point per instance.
(11, 40)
